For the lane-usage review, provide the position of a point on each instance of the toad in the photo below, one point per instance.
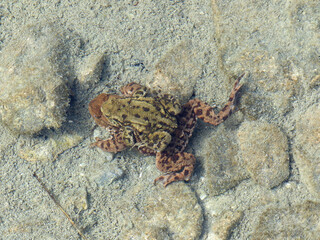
(156, 124)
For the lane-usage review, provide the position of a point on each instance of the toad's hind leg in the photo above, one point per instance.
(133, 89)
(178, 167)
(206, 113)
(113, 144)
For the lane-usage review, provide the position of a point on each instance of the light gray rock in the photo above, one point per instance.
(47, 148)
(33, 92)
(306, 148)
(90, 71)
(295, 222)
(106, 174)
(222, 228)
(172, 211)
(264, 150)
(223, 168)
(176, 72)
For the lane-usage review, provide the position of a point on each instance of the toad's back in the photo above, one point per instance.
(143, 114)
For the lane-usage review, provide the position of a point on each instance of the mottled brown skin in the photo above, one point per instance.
(172, 160)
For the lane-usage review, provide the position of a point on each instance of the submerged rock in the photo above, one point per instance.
(223, 226)
(176, 72)
(306, 148)
(167, 213)
(223, 169)
(90, 71)
(296, 222)
(264, 150)
(47, 148)
(33, 92)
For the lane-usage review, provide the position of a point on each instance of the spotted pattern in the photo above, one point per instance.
(168, 145)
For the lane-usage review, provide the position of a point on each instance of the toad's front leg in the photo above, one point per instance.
(206, 112)
(114, 144)
(178, 167)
